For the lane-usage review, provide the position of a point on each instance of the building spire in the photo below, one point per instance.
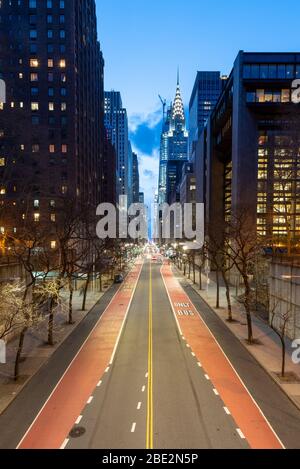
(178, 108)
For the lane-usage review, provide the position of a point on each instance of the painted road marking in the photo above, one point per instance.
(63, 446)
(188, 346)
(78, 420)
(216, 392)
(146, 375)
(207, 377)
(227, 411)
(139, 406)
(241, 434)
(149, 430)
(193, 354)
(84, 367)
(133, 427)
(90, 399)
(107, 370)
(245, 410)
(99, 384)
(199, 364)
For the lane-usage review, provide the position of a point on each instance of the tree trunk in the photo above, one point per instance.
(247, 308)
(230, 317)
(283, 356)
(184, 269)
(71, 291)
(100, 283)
(85, 292)
(194, 272)
(200, 278)
(218, 289)
(51, 323)
(19, 353)
(189, 270)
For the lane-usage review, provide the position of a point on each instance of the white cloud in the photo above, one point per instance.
(150, 119)
(149, 169)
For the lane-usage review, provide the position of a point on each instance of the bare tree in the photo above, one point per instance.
(279, 324)
(244, 247)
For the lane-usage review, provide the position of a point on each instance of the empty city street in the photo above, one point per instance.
(161, 380)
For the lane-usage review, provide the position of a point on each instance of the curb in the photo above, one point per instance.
(291, 398)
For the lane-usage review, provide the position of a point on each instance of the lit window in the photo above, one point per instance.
(53, 217)
(36, 204)
(50, 63)
(51, 148)
(51, 106)
(62, 63)
(53, 244)
(2, 191)
(34, 63)
(64, 148)
(36, 217)
(34, 106)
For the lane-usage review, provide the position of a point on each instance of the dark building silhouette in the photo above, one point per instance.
(135, 179)
(51, 127)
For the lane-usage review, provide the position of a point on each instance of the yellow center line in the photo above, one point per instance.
(149, 433)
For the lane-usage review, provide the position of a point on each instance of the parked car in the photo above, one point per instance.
(119, 278)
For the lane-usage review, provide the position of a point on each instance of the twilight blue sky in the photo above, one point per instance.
(144, 41)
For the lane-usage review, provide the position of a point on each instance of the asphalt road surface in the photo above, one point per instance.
(155, 394)
(180, 410)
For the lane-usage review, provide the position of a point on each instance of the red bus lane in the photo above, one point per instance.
(58, 415)
(246, 413)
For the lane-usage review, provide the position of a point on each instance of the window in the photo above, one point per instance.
(62, 63)
(35, 148)
(36, 217)
(285, 96)
(51, 106)
(34, 63)
(2, 161)
(34, 106)
(53, 244)
(34, 77)
(36, 204)
(50, 63)
(64, 148)
(53, 217)
(51, 148)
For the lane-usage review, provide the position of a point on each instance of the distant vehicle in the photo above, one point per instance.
(119, 278)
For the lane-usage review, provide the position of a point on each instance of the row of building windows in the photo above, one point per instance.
(49, 3)
(271, 71)
(35, 106)
(269, 96)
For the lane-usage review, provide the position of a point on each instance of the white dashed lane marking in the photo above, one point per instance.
(227, 411)
(90, 399)
(78, 420)
(133, 427)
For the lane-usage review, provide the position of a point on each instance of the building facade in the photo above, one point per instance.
(205, 94)
(51, 140)
(252, 148)
(135, 179)
(116, 123)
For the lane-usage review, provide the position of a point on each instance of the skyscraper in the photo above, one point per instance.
(50, 127)
(116, 123)
(205, 94)
(174, 148)
(135, 179)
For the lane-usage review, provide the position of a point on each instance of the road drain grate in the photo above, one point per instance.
(76, 432)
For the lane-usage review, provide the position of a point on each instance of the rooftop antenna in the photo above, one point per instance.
(164, 104)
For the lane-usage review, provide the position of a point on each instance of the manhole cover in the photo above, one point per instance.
(76, 432)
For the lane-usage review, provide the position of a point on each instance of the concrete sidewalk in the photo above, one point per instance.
(36, 351)
(268, 350)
